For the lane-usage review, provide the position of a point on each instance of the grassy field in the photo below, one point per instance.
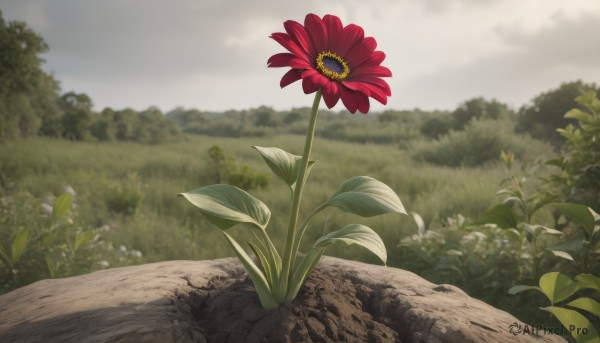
(166, 227)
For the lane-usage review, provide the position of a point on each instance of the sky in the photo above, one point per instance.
(212, 54)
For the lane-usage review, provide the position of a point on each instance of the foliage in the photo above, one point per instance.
(546, 111)
(558, 288)
(27, 94)
(44, 239)
(478, 109)
(579, 176)
(280, 277)
(126, 198)
(229, 171)
(479, 143)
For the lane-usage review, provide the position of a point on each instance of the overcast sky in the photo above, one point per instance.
(212, 54)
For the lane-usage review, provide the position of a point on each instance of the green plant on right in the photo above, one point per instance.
(579, 176)
(559, 289)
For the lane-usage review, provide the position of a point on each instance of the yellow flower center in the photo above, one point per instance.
(332, 66)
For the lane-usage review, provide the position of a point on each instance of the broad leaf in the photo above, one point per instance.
(421, 229)
(226, 206)
(83, 238)
(520, 288)
(574, 244)
(283, 164)
(578, 213)
(586, 304)
(52, 267)
(588, 281)
(355, 234)
(502, 215)
(366, 197)
(61, 205)
(302, 270)
(557, 286)
(18, 245)
(256, 275)
(562, 254)
(575, 320)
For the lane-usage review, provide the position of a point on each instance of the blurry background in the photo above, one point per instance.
(212, 55)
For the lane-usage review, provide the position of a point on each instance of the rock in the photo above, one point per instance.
(204, 301)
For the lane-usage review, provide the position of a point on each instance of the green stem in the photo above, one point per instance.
(289, 255)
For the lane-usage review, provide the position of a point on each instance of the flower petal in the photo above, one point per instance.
(298, 63)
(377, 71)
(290, 77)
(331, 94)
(361, 51)
(374, 60)
(349, 99)
(351, 34)
(287, 42)
(299, 33)
(312, 81)
(280, 60)
(363, 103)
(380, 83)
(334, 28)
(317, 32)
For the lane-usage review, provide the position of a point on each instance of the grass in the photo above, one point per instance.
(166, 227)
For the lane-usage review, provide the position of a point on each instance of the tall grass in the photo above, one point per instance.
(165, 227)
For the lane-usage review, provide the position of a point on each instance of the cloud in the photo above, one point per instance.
(531, 61)
(212, 54)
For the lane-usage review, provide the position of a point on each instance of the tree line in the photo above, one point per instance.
(31, 104)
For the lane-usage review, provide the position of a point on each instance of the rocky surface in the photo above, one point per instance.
(206, 301)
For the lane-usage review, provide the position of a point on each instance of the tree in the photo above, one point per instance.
(266, 116)
(546, 112)
(27, 94)
(78, 115)
(478, 108)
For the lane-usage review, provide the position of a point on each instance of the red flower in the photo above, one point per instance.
(338, 60)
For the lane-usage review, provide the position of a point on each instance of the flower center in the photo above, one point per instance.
(332, 66)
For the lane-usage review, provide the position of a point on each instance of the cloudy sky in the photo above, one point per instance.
(211, 54)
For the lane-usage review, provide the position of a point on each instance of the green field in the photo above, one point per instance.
(166, 227)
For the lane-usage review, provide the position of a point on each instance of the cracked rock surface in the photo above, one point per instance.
(213, 301)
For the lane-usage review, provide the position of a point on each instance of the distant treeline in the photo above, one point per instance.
(31, 105)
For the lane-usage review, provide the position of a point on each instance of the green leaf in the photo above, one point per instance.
(366, 197)
(52, 268)
(576, 323)
(501, 215)
(302, 271)
(355, 234)
(61, 205)
(588, 281)
(226, 206)
(557, 286)
(578, 213)
(520, 288)
(421, 229)
(256, 275)
(579, 115)
(18, 246)
(574, 244)
(283, 164)
(263, 261)
(562, 254)
(586, 304)
(4, 255)
(83, 238)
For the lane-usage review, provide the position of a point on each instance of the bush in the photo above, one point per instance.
(480, 143)
(41, 239)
